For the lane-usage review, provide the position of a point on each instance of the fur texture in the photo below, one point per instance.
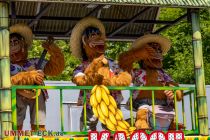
(56, 63)
(98, 73)
(151, 59)
(141, 117)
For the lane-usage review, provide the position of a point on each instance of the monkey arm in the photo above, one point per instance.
(179, 93)
(126, 59)
(27, 78)
(122, 79)
(56, 63)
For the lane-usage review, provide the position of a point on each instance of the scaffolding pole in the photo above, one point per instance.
(5, 83)
(199, 73)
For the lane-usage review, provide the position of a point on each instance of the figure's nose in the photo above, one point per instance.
(11, 43)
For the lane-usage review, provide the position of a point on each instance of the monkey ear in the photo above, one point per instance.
(84, 40)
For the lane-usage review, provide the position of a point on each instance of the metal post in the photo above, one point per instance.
(5, 83)
(199, 74)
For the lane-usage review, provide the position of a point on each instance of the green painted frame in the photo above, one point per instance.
(190, 91)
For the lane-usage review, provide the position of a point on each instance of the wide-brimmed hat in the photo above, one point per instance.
(23, 30)
(164, 42)
(78, 30)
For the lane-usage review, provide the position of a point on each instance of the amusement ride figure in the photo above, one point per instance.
(24, 72)
(148, 51)
(88, 44)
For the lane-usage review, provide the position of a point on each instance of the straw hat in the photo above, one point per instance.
(78, 30)
(165, 43)
(23, 30)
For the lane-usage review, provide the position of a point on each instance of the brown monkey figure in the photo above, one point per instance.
(148, 51)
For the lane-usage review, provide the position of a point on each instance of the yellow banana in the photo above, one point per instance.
(106, 89)
(112, 118)
(101, 115)
(117, 116)
(120, 113)
(104, 109)
(105, 97)
(98, 94)
(121, 124)
(94, 89)
(112, 101)
(126, 123)
(93, 101)
(110, 125)
(95, 111)
(102, 121)
(120, 128)
(112, 109)
(131, 129)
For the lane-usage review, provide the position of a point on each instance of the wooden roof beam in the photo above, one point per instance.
(174, 22)
(39, 15)
(98, 8)
(134, 18)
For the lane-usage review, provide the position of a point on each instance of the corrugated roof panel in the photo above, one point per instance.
(68, 10)
(114, 16)
(26, 8)
(169, 3)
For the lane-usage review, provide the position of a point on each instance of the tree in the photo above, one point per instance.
(70, 61)
(179, 60)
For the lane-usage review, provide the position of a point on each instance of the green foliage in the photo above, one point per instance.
(179, 60)
(70, 61)
(115, 48)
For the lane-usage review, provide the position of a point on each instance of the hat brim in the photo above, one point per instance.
(164, 42)
(23, 30)
(76, 34)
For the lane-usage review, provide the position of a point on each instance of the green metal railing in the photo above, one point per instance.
(188, 91)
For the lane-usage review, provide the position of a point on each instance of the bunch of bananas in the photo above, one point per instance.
(105, 109)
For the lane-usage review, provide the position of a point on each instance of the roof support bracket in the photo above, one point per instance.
(39, 15)
(130, 21)
(174, 22)
(98, 8)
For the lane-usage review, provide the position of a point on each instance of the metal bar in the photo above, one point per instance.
(176, 110)
(37, 12)
(62, 35)
(85, 110)
(61, 110)
(131, 108)
(69, 117)
(37, 110)
(14, 109)
(13, 11)
(110, 87)
(153, 109)
(39, 15)
(130, 21)
(104, 20)
(191, 112)
(188, 92)
(183, 113)
(174, 22)
(99, 7)
(199, 73)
